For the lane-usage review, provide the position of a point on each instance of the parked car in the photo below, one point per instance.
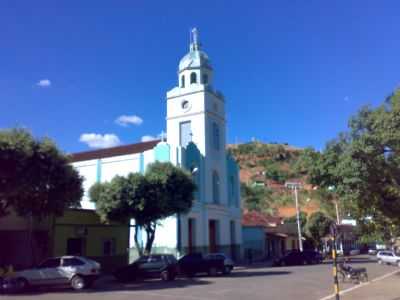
(228, 263)
(77, 271)
(211, 264)
(354, 252)
(295, 257)
(164, 266)
(313, 257)
(388, 257)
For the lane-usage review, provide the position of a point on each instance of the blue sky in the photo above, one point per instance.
(291, 71)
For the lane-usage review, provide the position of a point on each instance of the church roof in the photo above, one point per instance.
(113, 151)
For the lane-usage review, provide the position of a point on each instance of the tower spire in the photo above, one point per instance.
(194, 40)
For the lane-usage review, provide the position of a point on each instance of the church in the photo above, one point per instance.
(196, 141)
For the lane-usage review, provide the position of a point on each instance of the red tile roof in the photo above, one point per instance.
(254, 218)
(114, 151)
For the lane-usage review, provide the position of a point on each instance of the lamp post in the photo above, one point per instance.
(295, 186)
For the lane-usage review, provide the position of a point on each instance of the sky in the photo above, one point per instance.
(92, 74)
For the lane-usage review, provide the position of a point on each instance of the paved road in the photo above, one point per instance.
(258, 282)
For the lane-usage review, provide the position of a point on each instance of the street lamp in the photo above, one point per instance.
(332, 188)
(295, 186)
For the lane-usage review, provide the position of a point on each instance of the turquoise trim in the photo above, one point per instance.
(141, 163)
(162, 152)
(194, 159)
(98, 170)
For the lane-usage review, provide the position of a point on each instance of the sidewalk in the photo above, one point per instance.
(384, 289)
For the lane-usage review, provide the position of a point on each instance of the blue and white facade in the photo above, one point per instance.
(196, 129)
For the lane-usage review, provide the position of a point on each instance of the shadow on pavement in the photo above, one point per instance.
(111, 285)
(258, 273)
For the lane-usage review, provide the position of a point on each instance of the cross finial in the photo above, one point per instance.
(194, 39)
(162, 136)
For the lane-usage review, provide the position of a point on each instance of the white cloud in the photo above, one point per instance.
(148, 138)
(95, 140)
(126, 120)
(44, 83)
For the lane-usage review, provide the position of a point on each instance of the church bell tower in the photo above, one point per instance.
(196, 113)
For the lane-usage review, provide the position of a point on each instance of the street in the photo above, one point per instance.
(255, 282)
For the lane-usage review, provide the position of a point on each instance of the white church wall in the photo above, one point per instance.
(87, 169)
(148, 157)
(119, 165)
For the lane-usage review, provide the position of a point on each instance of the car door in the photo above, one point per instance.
(71, 266)
(154, 266)
(50, 272)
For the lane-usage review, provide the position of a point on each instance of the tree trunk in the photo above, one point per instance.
(150, 232)
(137, 242)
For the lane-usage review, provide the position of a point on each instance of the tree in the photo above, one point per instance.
(303, 220)
(164, 190)
(36, 178)
(363, 164)
(317, 227)
(256, 198)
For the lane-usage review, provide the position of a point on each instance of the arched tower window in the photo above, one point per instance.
(183, 81)
(193, 77)
(215, 185)
(205, 78)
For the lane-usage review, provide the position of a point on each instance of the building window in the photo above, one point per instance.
(215, 185)
(215, 135)
(193, 78)
(205, 79)
(109, 247)
(185, 133)
(183, 81)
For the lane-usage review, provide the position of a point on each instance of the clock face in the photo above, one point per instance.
(185, 104)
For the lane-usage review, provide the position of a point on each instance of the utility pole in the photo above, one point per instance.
(295, 186)
(334, 257)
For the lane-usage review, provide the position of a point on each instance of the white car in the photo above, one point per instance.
(388, 257)
(80, 272)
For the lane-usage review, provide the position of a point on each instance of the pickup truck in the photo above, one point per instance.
(211, 264)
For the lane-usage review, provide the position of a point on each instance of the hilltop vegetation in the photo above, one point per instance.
(264, 169)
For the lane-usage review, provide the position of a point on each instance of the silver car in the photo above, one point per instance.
(77, 271)
(388, 257)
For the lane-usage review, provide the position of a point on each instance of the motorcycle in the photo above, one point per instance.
(347, 273)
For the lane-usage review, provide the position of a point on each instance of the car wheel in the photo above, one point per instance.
(22, 284)
(227, 270)
(78, 283)
(165, 276)
(212, 272)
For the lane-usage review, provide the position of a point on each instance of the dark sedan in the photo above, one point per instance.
(162, 266)
(211, 264)
(296, 257)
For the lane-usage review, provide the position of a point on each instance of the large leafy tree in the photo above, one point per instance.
(363, 164)
(317, 227)
(36, 179)
(164, 190)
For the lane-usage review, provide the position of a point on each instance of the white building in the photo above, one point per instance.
(196, 128)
